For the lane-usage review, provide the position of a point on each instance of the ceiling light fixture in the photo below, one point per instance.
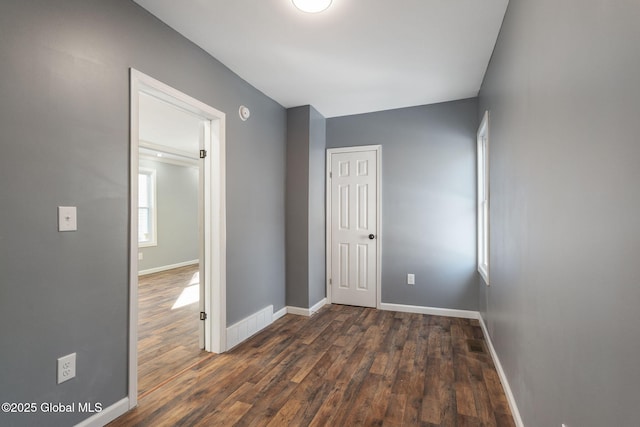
(312, 6)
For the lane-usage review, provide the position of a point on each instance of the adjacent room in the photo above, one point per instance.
(170, 334)
(369, 213)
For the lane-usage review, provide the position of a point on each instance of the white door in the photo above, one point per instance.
(354, 215)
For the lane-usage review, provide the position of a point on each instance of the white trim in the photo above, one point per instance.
(134, 108)
(169, 150)
(167, 267)
(107, 415)
(241, 331)
(217, 243)
(330, 151)
(278, 314)
(317, 306)
(176, 161)
(298, 311)
(503, 378)
(434, 311)
(249, 326)
(308, 312)
(482, 154)
(215, 222)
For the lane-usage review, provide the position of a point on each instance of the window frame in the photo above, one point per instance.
(153, 210)
(483, 198)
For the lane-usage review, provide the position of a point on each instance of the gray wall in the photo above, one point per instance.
(297, 207)
(563, 90)
(64, 120)
(428, 199)
(177, 216)
(317, 211)
(305, 212)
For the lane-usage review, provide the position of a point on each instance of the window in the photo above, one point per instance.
(483, 198)
(147, 207)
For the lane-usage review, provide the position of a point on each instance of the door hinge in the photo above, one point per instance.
(330, 175)
(203, 154)
(330, 281)
(203, 315)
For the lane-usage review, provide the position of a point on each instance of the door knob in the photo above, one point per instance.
(371, 236)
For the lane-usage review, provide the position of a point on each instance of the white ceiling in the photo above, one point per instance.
(358, 56)
(162, 124)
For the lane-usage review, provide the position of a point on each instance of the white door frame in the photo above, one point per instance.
(214, 220)
(330, 151)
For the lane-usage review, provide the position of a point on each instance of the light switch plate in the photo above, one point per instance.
(67, 218)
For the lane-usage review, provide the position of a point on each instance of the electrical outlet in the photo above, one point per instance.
(411, 279)
(66, 367)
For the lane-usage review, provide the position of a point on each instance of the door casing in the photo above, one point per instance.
(214, 226)
(378, 150)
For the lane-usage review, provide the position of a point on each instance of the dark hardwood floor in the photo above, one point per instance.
(167, 334)
(345, 366)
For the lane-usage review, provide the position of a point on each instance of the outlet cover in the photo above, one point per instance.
(411, 279)
(66, 367)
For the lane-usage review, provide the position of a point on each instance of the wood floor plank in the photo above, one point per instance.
(430, 411)
(395, 410)
(345, 366)
(285, 415)
(494, 387)
(465, 401)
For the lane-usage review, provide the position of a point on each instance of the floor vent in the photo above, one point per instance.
(475, 346)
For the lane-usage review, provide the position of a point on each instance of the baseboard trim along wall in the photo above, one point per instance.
(278, 314)
(248, 326)
(307, 311)
(503, 378)
(434, 311)
(167, 267)
(256, 322)
(107, 415)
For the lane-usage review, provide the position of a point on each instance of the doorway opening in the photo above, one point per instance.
(177, 239)
(170, 250)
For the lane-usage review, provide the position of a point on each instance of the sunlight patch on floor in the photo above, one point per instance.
(195, 279)
(189, 295)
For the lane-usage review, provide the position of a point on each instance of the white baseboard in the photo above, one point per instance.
(167, 267)
(503, 378)
(318, 305)
(278, 314)
(307, 311)
(248, 326)
(465, 314)
(107, 415)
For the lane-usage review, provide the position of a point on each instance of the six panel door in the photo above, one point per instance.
(354, 225)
